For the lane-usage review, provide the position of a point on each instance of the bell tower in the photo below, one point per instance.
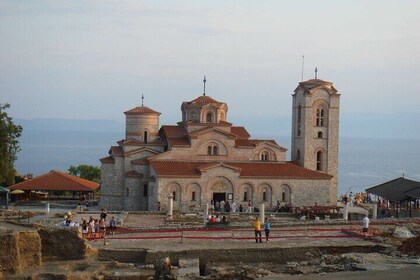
(315, 128)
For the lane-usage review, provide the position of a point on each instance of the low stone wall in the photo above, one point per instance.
(19, 251)
(63, 243)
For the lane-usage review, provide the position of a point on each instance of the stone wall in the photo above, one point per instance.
(19, 251)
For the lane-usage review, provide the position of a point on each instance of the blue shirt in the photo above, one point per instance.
(267, 225)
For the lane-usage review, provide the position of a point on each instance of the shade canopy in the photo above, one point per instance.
(398, 190)
(17, 192)
(56, 181)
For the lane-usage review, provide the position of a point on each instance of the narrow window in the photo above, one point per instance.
(320, 134)
(127, 192)
(319, 161)
(245, 196)
(299, 114)
(264, 196)
(174, 195)
(264, 156)
(298, 155)
(145, 190)
(209, 118)
(319, 117)
(215, 151)
(145, 137)
(298, 130)
(193, 196)
(209, 150)
(283, 196)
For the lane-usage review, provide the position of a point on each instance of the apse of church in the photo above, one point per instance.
(204, 157)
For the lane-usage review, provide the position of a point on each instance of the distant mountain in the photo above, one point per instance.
(69, 125)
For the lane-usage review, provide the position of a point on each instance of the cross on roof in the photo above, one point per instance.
(316, 72)
(204, 81)
(142, 98)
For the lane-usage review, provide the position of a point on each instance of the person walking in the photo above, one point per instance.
(257, 229)
(365, 226)
(267, 227)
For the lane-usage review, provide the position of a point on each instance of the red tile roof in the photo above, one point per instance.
(140, 161)
(178, 141)
(173, 131)
(109, 159)
(240, 131)
(313, 83)
(204, 99)
(141, 110)
(116, 151)
(255, 142)
(257, 169)
(56, 181)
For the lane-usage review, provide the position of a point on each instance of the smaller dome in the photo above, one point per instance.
(141, 110)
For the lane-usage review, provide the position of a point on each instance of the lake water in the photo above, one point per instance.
(363, 162)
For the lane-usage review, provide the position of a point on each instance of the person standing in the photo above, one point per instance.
(112, 225)
(249, 209)
(257, 229)
(267, 227)
(233, 206)
(365, 225)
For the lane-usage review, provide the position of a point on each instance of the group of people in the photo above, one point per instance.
(258, 226)
(99, 225)
(216, 218)
(356, 199)
(226, 206)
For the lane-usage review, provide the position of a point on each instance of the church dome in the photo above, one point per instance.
(141, 110)
(204, 99)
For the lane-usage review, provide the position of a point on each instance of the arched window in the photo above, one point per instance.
(320, 117)
(319, 161)
(209, 117)
(245, 196)
(193, 196)
(320, 134)
(145, 137)
(283, 196)
(145, 190)
(212, 150)
(264, 196)
(174, 195)
(264, 156)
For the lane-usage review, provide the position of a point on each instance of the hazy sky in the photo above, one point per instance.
(94, 59)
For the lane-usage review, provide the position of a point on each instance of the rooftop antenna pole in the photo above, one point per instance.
(316, 72)
(303, 64)
(204, 81)
(142, 98)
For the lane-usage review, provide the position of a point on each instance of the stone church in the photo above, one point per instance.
(204, 157)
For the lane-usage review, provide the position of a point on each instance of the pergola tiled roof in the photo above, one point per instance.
(56, 181)
(257, 169)
(397, 190)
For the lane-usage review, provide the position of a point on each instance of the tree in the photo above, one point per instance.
(9, 146)
(88, 172)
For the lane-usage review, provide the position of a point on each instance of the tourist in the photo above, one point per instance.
(241, 208)
(102, 225)
(222, 206)
(97, 227)
(267, 227)
(216, 205)
(257, 229)
(227, 207)
(217, 220)
(91, 224)
(365, 226)
(112, 225)
(84, 226)
(212, 206)
(103, 214)
(249, 209)
(158, 206)
(233, 206)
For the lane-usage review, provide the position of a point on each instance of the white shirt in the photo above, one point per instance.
(365, 222)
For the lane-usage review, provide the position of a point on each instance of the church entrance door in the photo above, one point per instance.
(219, 196)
